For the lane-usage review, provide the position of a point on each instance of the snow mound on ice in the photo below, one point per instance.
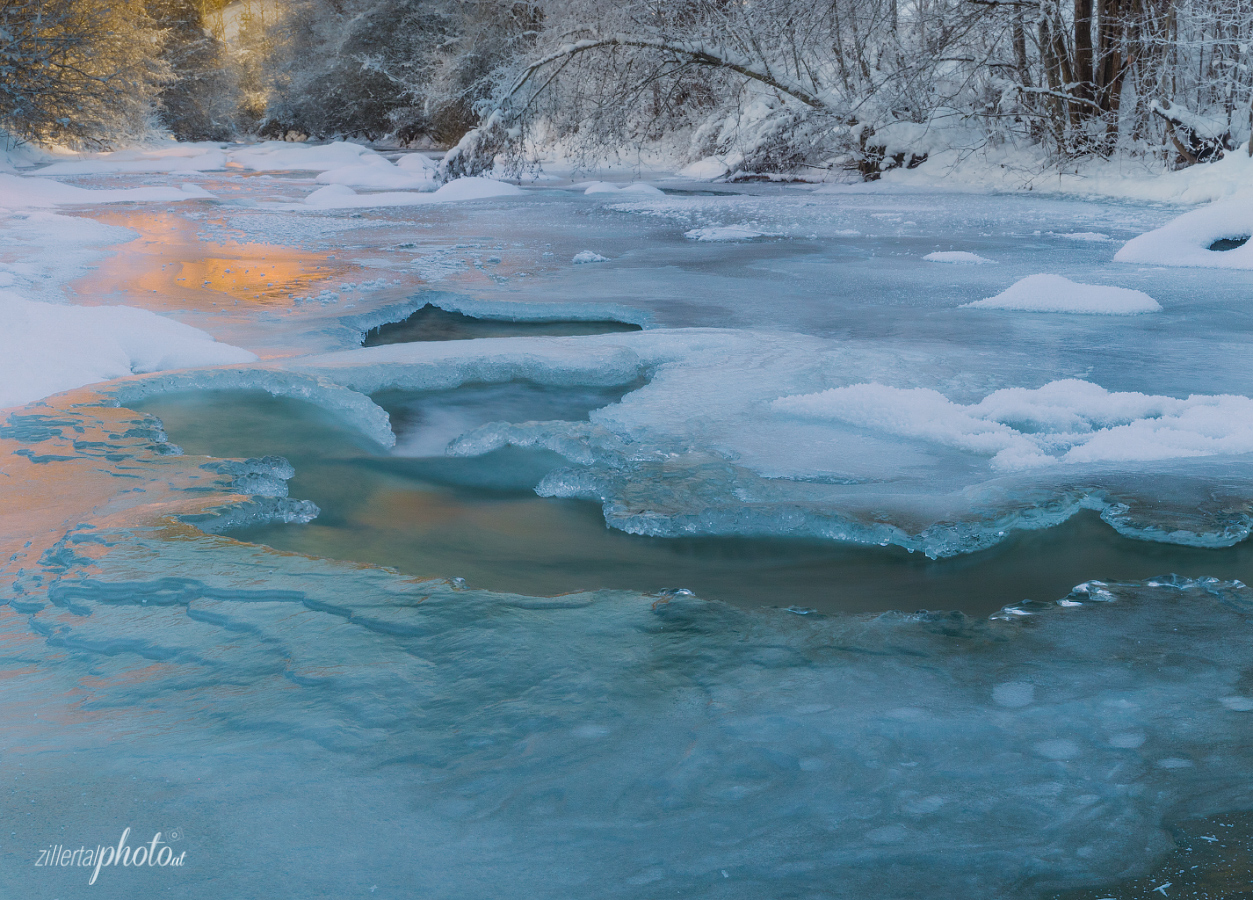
(341, 196)
(723, 233)
(21, 192)
(960, 257)
(706, 169)
(635, 187)
(416, 162)
(1186, 241)
(588, 256)
(476, 189)
(283, 156)
(1053, 293)
(1067, 421)
(46, 348)
(377, 174)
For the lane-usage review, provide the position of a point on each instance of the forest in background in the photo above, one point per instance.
(762, 86)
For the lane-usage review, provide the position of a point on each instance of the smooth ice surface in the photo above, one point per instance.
(1053, 293)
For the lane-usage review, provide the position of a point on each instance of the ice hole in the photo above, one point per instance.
(430, 323)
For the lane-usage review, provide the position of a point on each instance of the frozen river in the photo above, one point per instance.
(693, 542)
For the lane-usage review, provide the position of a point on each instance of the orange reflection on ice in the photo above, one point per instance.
(170, 262)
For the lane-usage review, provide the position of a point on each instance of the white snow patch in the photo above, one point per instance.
(46, 348)
(959, 257)
(21, 192)
(588, 256)
(1186, 241)
(1053, 293)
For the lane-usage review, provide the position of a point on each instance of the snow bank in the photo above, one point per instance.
(46, 348)
(21, 192)
(960, 257)
(724, 233)
(1053, 293)
(190, 158)
(1067, 421)
(1011, 169)
(1186, 241)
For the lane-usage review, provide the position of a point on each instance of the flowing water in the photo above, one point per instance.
(548, 592)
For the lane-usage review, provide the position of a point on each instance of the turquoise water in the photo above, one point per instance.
(480, 519)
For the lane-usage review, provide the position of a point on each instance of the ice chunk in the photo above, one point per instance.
(588, 256)
(1190, 239)
(46, 348)
(1053, 293)
(723, 233)
(958, 256)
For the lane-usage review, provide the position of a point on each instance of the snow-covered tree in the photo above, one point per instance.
(80, 71)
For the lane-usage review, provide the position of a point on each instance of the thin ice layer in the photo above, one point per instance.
(728, 436)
